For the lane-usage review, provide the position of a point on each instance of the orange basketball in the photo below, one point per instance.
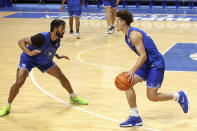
(122, 82)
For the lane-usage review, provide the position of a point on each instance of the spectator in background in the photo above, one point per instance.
(74, 10)
(110, 9)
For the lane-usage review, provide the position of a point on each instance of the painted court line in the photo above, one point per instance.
(97, 65)
(78, 108)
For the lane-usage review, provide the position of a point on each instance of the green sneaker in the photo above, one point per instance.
(78, 100)
(5, 110)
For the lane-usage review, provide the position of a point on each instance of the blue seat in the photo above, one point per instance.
(5, 3)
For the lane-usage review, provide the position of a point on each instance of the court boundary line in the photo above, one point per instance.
(78, 108)
(92, 64)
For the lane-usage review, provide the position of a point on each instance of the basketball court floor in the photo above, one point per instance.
(43, 105)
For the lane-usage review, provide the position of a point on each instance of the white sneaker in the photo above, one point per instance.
(71, 34)
(78, 35)
(113, 28)
(109, 31)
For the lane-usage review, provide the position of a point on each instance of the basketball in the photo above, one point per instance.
(122, 82)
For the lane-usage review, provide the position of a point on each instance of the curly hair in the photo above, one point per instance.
(126, 16)
(56, 23)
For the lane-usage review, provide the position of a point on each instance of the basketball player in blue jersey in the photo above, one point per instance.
(74, 10)
(149, 67)
(38, 51)
(110, 9)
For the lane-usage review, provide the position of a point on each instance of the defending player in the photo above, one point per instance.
(39, 51)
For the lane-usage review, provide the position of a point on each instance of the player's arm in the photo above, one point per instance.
(23, 45)
(36, 40)
(62, 6)
(137, 41)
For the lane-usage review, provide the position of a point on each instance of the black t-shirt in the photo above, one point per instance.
(38, 40)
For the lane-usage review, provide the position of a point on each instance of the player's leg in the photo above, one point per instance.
(77, 19)
(55, 71)
(130, 93)
(71, 22)
(71, 25)
(134, 118)
(113, 18)
(108, 15)
(154, 81)
(108, 11)
(113, 15)
(153, 95)
(21, 75)
(20, 79)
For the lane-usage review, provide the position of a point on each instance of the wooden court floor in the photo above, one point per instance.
(42, 104)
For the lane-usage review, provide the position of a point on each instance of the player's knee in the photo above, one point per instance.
(20, 82)
(152, 97)
(61, 76)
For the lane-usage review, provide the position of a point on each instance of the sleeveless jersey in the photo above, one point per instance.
(154, 57)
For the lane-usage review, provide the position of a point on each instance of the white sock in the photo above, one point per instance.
(9, 104)
(72, 95)
(134, 112)
(176, 96)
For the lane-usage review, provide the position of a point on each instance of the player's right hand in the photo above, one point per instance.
(62, 8)
(34, 52)
(130, 75)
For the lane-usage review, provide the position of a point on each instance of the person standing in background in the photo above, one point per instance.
(110, 9)
(74, 10)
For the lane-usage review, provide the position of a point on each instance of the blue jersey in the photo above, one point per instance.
(74, 5)
(154, 58)
(48, 51)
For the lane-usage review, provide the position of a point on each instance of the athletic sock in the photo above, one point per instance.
(134, 112)
(176, 96)
(72, 95)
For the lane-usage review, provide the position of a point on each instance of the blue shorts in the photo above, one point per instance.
(111, 3)
(153, 76)
(74, 13)
(28, 65)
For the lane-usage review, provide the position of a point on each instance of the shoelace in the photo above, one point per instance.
(129, 118)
